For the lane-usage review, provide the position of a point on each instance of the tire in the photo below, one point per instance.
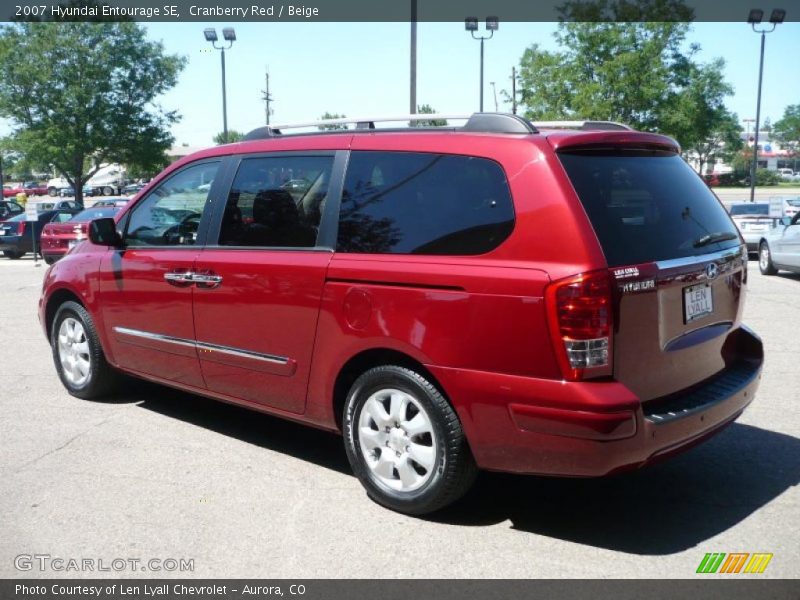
(13, 254)
(49, 260)
(765, 260)
(74, 342)
(51, 191)
(108, 191)
(397, 469)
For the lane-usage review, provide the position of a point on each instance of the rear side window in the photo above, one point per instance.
(420, 203)
(648, 206)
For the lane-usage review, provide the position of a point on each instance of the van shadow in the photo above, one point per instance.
(663, 509)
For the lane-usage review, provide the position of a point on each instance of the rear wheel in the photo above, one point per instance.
(51, 191)
(405, 443)
(765, 260)
(49, 260)
(13, 254)
(108, 191)
(78, 356)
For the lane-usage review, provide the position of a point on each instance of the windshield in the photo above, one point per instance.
(648, 206)
(793, 202)
(750, 209)
(90, 214)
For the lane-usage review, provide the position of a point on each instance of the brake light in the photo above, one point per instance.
(20, 227)
(580, 316)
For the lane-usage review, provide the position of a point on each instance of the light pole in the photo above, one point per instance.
(471, 25)
(230, 36)
(754, 18)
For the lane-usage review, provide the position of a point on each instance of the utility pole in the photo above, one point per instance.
(267, 98)
(514, 90)
(413, 71)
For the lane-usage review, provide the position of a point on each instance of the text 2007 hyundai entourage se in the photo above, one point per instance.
(560, 299)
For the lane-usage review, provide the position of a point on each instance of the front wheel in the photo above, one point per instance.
(765, 260)
(78, 356)
(405, 443)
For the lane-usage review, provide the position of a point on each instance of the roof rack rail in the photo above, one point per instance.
(477, 122)
(582, 125)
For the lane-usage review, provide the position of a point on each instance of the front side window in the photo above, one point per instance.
(170, 215)
(420, 203)
(276, 202)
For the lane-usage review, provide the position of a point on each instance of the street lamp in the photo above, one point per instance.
(229, 35)
(754, 18)
(471, 25)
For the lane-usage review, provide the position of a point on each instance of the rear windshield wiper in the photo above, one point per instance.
(712, 238)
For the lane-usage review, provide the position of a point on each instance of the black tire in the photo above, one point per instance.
(108, 191)
(51, 191)
(101, 379)
(454, 469)
(13, 254)
(49, 260)
(765, 264)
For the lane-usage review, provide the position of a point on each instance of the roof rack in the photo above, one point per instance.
(477, 122)
(582, 125)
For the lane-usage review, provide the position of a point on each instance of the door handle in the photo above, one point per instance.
(178, 278)
(206, 280)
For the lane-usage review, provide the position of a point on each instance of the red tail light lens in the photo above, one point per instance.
(20, 227)
(580, 315)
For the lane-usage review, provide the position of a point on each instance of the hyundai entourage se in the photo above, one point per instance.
(555, 298)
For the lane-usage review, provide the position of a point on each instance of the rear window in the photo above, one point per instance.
(90, 214)
(749, 209)
(422, 203)
(648, 206)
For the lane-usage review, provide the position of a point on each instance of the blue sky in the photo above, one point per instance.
(362, 69)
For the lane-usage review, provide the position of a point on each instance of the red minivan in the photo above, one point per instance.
(560, 299)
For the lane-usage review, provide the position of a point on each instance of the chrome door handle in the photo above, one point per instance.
(206, 280)
(178, 277)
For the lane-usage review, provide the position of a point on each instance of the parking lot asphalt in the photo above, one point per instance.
(159, 474)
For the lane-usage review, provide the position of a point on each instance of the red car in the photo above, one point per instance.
(61, 235)
(30, 188)
(498, 296)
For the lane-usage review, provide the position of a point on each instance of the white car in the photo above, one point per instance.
(753, 220)
(779, 249)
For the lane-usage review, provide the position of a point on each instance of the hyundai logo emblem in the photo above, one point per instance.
(711, 271)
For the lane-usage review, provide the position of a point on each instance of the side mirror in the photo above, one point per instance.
(103, 232)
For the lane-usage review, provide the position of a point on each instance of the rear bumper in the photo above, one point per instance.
(752, 240)
(585, 429)
(14, 243)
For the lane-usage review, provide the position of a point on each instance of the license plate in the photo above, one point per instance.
(697, 302)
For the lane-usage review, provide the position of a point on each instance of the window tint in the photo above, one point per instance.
(750, 209)
(276, 202)
(648, 206)
(415, 203)
(61, 217)
(170, 214)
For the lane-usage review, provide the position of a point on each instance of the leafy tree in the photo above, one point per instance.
(426, 109)
(628, 61)
(697, 117)
(787, 129)
(81, 94)
(327, 116)
(233, 136)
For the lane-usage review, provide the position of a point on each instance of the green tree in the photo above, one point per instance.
(697, 117)
(81, 94)
(233, 136)
(787, 129)
(328, 116)
(427, 109)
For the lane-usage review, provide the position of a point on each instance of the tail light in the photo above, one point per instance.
(580, 316)
(20, 227)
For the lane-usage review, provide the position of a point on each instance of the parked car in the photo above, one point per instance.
(60, 236)
(17, 233)
(562, 299)
(119, 202)
(68, 205)
(753, 220)
(786, 173)
(9, 209)
(779, 249)
(30, 188)
(791, 206)
(70, 191)
(132, 189)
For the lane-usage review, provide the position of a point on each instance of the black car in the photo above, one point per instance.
(16, 234)
(9, 209)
